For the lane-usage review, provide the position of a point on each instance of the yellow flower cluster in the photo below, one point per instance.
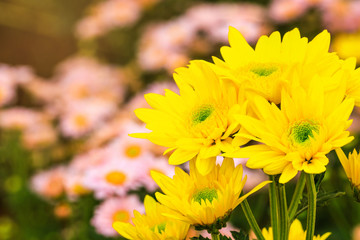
(292, 96)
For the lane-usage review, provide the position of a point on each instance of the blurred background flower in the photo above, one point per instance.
(71, 75)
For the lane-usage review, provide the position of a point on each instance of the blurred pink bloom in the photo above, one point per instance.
(7, 91)
(39, 136)
(22, 118)
(106, 16)
(167, 45)
(106, 132)
(158, 164)
(115, 209)
(83, 116)
(138, 101)
(74, 184)
(81, 78)
(113, 178)
(287, 10)
(49, 183)
(249, 19)
(89, 27)
(42, 90)
(89, 160)
(226, 231)
(341, 15)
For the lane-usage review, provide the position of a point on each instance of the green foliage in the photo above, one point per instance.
(241, 235)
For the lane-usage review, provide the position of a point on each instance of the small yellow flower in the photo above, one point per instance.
(154, 225)
(268, 68)
(199, 123)
(296, 232)
(297, 137)
(353, 80)
(347, 45)
(204, 201)
(351, 166)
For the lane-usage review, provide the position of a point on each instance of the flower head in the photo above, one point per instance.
(115, 210)
(268, 68)
(297, 136)
(154, 225)
(351, 165)
(204, 201)
(198, 123)
(296, 232)
(113, 178)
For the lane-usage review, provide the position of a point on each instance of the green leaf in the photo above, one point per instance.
(318, 180)
(322, 200)
(240, 235)
(222, 237)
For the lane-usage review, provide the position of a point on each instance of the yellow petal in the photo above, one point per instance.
(205, 165)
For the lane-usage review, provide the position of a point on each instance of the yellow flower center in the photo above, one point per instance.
(301, 131)
(81, 121)
(80, 189)
(133, 151)
(115, 177)
(202, 113)
(121, 216)
(205, 194)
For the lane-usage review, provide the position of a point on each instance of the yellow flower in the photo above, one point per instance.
(203, 201)
(268, 68)
(154, 225)
(298, 136)
(296, 232)
(347, 45)
(351, 166)
(353, 80)
(197, 123)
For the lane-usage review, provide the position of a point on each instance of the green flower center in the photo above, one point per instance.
(206, 193)
(160, 227)
(202, 113)
(263, 71)
(300, 132)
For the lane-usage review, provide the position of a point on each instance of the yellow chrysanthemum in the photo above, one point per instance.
(154, 225)
(296, 232)
(298, 136)
(197, 123)
(205, 201)
(353, 80)
(347, 45)
(351, 166)
(268, 68)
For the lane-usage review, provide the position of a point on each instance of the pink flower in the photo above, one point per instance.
(115, 209)
(22, 118)
(287, 10)
(158, 164)
(84, 116)
(113, 178)
(49, 183)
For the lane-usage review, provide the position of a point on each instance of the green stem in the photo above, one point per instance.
(251, 219)
(284, 217)
(297, 196)
(215, 236)
(311, 213)
(274, 213)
